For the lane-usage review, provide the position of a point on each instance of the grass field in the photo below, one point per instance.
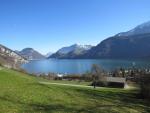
(69, 82)
(20, 93)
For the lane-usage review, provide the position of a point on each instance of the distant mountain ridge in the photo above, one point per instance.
(134, 43)
(71, 51)
(68, 49)
(31, 54)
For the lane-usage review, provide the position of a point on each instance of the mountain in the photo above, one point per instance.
(31, 54)
(131, 44)
(68, 49)
(135, 46)
(71, 51)
(48, 54)
(140, 29)
(9, 58)
(134, 43)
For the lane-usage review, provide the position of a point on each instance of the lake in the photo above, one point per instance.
(79, 66)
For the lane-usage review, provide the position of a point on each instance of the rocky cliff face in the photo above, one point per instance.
(9, 58)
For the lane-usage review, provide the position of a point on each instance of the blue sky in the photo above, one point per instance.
(47, 25)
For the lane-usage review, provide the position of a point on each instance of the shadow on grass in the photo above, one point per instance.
(116, 99)
(59, 108)
(120, 98)
(47, 108)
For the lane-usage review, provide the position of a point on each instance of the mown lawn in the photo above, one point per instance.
(77, 82)
(20, 93)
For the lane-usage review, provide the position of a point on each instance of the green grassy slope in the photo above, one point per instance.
(22, 93)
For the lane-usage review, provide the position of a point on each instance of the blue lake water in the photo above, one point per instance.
(79, 66)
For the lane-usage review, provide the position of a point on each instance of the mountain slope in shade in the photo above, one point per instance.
(135, 46)
(71, 51)
(31, 54)
(9, 58)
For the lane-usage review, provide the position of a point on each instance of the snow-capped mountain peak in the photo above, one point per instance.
(68, 49)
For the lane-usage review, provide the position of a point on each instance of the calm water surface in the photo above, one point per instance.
(80, 66)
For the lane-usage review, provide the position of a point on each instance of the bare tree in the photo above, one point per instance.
(98, 74)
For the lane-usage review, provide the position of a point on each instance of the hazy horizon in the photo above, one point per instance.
(48, 25)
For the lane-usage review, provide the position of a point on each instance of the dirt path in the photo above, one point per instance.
(73, 85)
